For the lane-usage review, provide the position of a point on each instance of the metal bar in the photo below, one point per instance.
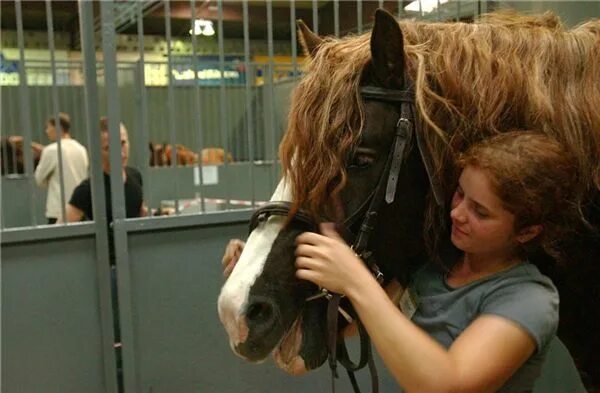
(100, 225)
(439, 11)
(197, 99)
(118, 195)
(143, 104)
(271, 112)
(359, 16)
(44, 232)
(249, 84)
(420, 9)
(294, 40)
(381, 4)
(400, 8)
(57, 126)
(223, 120)
(336, 17)
(171, 102)
(25, 114)
(189, 220)
(315, 12)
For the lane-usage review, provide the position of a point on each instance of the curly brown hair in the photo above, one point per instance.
(537, 181)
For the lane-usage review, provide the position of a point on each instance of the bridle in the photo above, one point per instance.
(384, 191)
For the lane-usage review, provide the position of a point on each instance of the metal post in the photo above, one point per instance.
(197, 101)
(25, 114)
(271, 80)
(143, 104)
(315, 10)
(86, 18)
(336, 18)
(294, 39)
(171, 103)
(117, 193)
(58, 127)
(223, 119)
(359, 16)
(249, 87)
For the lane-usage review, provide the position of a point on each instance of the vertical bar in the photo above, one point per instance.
(359, 16)
(420, 9)
(117, 193)
(171, 104)
(58, 127)
(336, 17)
(381, 4)
(439, 11)
(400, 8)
(197, 101)
(90, 100)
(25, 114)
(143, 112)
(294, 39)
(458, 10)
(248, 90)
(223, 121)
(274, 133)
(315, 10)
(475, 9)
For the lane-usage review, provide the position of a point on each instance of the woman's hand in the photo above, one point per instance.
(232, 254)
(327, 261)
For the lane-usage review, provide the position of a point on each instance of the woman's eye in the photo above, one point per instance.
(361, 161)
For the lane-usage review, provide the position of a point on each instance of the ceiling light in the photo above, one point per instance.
(202, 27)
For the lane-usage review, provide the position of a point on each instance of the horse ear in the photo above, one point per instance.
(309, 40)
(387, 50)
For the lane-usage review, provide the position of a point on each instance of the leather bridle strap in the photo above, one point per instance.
(385, 190)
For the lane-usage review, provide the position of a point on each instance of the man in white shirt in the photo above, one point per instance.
(74, 164)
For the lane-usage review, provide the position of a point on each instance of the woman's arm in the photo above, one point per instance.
(484, 356)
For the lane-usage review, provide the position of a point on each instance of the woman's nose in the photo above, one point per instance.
(458, 213)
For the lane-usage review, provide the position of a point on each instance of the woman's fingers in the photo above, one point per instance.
(306, 263)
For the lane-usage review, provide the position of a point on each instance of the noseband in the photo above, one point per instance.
(385, 190)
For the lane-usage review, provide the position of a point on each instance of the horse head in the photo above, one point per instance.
(335, 153)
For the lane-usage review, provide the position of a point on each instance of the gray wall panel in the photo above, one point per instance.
(51, 335)
(181, 345)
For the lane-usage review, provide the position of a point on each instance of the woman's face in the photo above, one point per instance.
(480, 224)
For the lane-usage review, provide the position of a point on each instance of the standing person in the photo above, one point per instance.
(74, 166)
(482, 321)
(80, 205)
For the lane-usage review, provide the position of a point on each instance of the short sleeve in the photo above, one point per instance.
(82, 197)
(532, 304)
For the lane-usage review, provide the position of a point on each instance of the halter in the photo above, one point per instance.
(385, 190)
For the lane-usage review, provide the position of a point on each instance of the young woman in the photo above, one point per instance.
(484, 323)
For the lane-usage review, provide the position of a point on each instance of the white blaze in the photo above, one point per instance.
(235, 292)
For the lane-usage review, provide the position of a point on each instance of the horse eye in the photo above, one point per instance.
(361, 161)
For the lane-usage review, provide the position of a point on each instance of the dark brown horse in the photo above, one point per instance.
(469, 81)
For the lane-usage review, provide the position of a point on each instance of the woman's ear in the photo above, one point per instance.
(529, 233)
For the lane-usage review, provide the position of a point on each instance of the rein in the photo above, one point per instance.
(385, 191)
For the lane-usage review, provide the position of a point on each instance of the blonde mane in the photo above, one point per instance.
(504, 72)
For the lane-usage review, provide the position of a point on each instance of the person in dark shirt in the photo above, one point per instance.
(80, 204)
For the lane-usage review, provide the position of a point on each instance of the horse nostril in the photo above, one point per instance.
(259, 312)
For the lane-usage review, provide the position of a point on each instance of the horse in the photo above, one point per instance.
(468, 82)
(160, 155)
(12, 156)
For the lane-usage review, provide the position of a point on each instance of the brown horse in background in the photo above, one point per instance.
(161, 154)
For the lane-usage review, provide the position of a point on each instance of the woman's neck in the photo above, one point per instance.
(472, 267)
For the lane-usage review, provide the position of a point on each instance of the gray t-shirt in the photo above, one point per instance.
(520, 294)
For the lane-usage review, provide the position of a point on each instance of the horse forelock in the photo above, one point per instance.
(324, 124)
